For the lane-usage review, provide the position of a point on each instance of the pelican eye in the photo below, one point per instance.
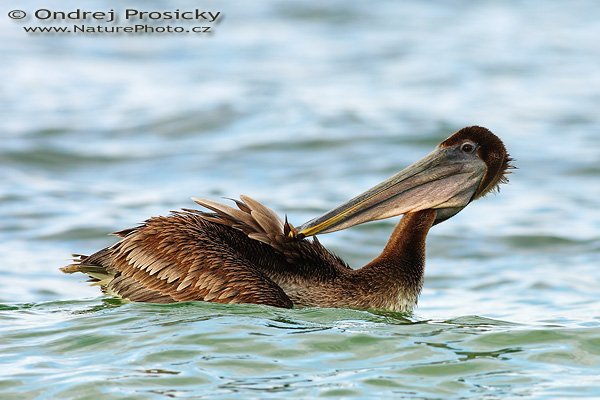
(467, 147)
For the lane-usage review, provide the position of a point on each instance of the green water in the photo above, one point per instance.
(302, 106)
(103, 349)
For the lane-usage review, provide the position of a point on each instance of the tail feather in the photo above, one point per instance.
(71, 268)
(94, 265)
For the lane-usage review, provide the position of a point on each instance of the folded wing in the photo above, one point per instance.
(230, 255)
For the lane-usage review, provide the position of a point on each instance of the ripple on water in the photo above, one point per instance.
(184, 348)
(304, 105)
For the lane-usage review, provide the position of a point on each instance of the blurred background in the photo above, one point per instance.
(302, 105)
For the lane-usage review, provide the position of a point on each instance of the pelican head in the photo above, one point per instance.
(464, 167)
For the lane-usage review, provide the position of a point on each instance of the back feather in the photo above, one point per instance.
(261, 223)
(256, 220)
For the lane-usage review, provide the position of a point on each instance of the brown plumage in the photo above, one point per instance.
(247, 254)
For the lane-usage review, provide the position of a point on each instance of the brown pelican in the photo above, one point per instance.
(249, 255)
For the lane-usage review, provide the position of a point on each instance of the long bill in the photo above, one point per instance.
(442, 180)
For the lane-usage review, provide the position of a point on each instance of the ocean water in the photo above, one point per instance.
(302, 106)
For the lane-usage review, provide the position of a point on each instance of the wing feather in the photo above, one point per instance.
(262, 224)
(177, 258)
(236, 254)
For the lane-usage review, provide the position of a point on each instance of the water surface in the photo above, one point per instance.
(303, 106)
